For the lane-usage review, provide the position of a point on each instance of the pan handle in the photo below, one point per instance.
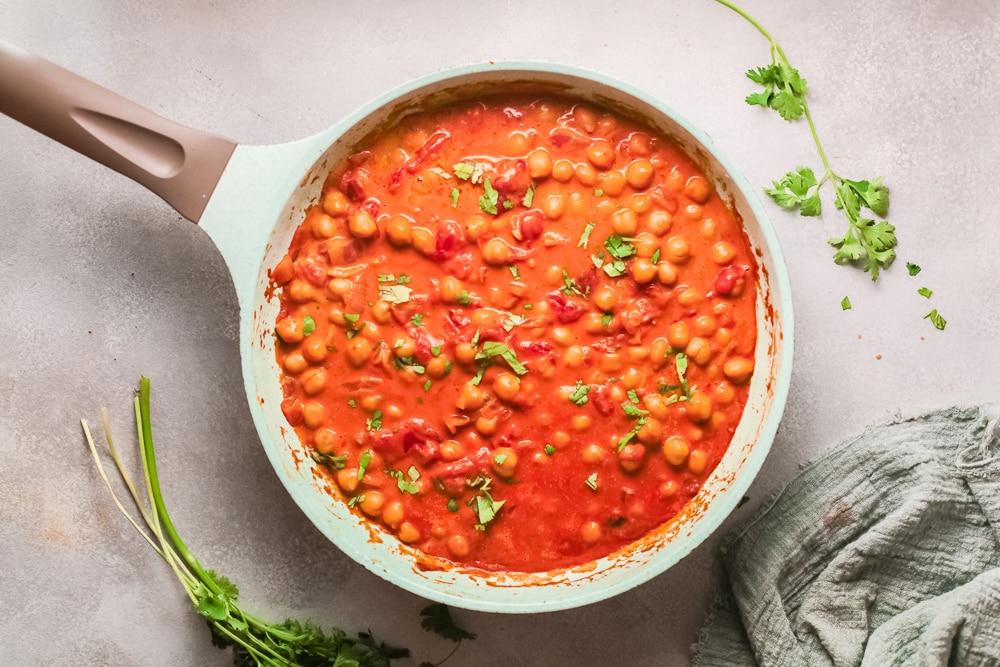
(180, 164)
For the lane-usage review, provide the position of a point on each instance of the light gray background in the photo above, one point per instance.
(102, 282)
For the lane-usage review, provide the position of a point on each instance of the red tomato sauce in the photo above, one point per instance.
(518, 333)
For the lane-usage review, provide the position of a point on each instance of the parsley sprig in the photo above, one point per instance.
(254, 641)
(870, 240)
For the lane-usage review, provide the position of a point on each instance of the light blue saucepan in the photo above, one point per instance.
(249, 200)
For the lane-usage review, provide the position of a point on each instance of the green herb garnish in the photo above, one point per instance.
(845, 303)
(936, 319)
(585, 236)
(579, 393)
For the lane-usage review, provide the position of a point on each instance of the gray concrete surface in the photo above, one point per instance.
(102, 282)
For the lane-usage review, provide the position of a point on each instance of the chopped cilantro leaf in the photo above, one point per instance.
(403, 279)
(845, 303)
(493, 349)
(529, 196)
(452, 505)
(936, 319)
(427, 385)
(514, 271)
(599, 192)
(633, 396)
(386, 278)
(454, 197)
(413, 473)
(488, 201)
(351, 402)
(352, 317)
(463, 170)
(403, 484)
(308, 325)
(585, 236)
(912, 268)
(655, 259)
(374, 422)
(924, 292)
(366, 458)
(417, 319)
(570, 286)
(499, 459)
(591, 481)
(435, 350)
(463, 298)
(550, 450)
(354, 500)
(606, 320)
(579, 393)
(508, 204)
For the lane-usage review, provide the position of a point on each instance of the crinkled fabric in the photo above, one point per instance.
(886, 552)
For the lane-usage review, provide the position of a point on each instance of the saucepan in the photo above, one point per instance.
(249, 200)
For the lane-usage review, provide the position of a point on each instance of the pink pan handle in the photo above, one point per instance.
(179, 164)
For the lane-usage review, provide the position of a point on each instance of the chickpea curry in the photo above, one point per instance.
(518, 333)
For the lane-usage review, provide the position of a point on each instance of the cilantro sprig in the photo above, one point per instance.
(254, 640)
(870, 240)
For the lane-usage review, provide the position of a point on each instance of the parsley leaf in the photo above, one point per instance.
(366, 458)
(550, 450)
(374, 422)
(912, 268)
(493, 349)
(845, 303)
(925, 292)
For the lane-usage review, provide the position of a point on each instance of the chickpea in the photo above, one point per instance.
(300, 291)
(382, 312)
(471, 398)
(679, 335)
(677, 251)
(475, 227)
(617, 393)
(404, 346)
(449, 289)
(504, 462)
(649, 433)
(539, 164)
(640, 202)
(699, 350)
(704, 325)
(612, 182)
(668, 488)
(408, 533)
(487, 425)
(738, 370)
(723, 393)
(347, 479)
(325, 441)
(666, 273)
(675, 450)
(452, 450)
(697, 461)
(639, 173)
(639, 144)
(697, 189)
(314, 381)
(553, 206)
(372, 402)
(369, 330)
(313, 415)
(465, 353)
(590, 531)
(699, 407)
(290, 329)
(638, 353)
(708, 227)
(601, 154)
(323, 226)
(372, 503)
(646, 245)
(562, 170)
(559, 439)
(392, 515)
(518, 143)
(399, 230)
(314, 349)
(359, 349)
(335, 203)
(657, 407)
(586, 174)
(585, 118)
(506, 386)
(659, 222)
(438, 367)
(643, 271)
(631, 456)
(362, 225)
(563, 336)
(458, 546)
(341, 288)
(674, 181)
(424, 241)
(723, 336)
(594, 454)
(658, 350)
(693, 212)
(631, 378)
(574, 356)
(580, 422)
(624, 222)
(607, 298)
(496, 252)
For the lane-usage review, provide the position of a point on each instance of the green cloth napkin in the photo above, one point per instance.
(885, 552)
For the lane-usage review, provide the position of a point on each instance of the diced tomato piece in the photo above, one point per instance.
(292, 409)
(566, 310)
